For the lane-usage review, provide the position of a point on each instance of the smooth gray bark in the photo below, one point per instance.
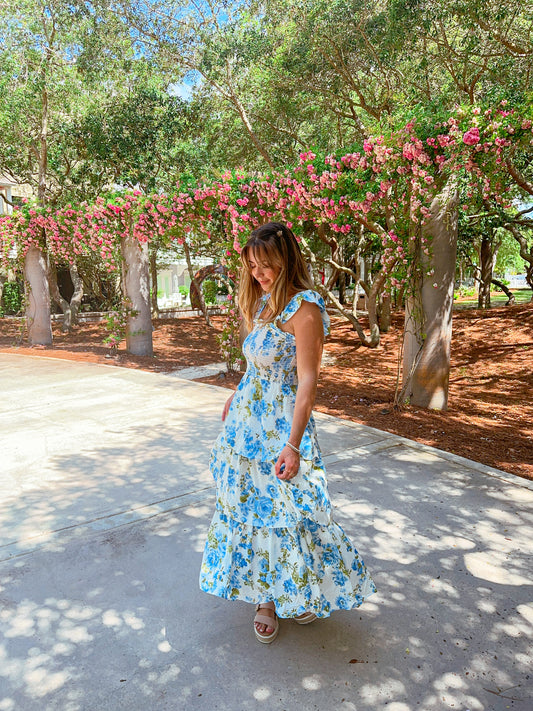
(136, 283)
(428, 312)
(77, 296)
(37, 298)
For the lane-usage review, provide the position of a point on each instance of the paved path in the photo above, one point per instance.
(105, 499)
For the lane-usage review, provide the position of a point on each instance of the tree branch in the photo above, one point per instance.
(519, 179)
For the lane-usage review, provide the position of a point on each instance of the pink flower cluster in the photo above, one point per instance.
(471, 137)
(384, 188)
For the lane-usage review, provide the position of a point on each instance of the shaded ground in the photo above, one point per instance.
(490, 413)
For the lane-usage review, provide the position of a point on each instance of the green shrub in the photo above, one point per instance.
(465, 291)
(115, 324)
(12, 297)
(209, 289)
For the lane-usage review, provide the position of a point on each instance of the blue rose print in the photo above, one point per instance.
(263, 507)
(270, 539)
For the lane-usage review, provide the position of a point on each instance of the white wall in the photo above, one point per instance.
(5, 207)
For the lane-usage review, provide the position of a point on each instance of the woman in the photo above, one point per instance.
(272, 541)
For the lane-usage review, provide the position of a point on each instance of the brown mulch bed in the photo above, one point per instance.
(490, 413)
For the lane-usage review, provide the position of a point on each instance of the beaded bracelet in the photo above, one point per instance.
(294, 449)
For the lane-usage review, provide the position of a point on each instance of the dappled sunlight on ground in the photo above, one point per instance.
(122, 607)
(453, 563)
(102, 540)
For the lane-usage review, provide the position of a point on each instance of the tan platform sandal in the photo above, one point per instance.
(305, 619)
(269, 622)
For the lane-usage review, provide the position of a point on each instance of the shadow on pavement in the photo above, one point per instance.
(107, 616)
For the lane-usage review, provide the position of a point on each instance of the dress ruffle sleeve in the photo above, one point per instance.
(313, 298)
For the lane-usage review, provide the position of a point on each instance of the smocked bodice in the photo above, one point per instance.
(259, 421)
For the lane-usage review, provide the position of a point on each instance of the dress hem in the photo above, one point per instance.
(322, 614)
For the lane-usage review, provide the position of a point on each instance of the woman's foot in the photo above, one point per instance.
(306, 618)
(266, 625)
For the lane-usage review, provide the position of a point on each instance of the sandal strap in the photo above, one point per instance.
(262, 619)
(265, 620)
(306, 616)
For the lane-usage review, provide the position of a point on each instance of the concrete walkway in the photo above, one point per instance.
(105, 498)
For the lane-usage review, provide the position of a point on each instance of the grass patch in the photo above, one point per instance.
(497, 298)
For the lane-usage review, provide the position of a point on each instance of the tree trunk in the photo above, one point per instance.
(526, 252)
(486, 265)
(43, 138)
(196, 284)
(428, 313)
(372, 292)
(338, 257)
(508, 293)
(342, 288)
(153, 281)
(460, 273)
(399, 297)
(249, 129)
(136, 284)
(35, 263)
(372, 306)
(37, 298)
(69, 308)
(57, 298)
(384, 312)
(77, 296)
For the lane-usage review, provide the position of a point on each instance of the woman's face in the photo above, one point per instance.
(265, 274)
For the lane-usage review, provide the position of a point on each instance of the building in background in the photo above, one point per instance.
(12, 193)
(6, 195)
(173, 276)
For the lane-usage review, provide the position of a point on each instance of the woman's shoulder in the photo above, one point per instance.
(306, 296)
(309, 296)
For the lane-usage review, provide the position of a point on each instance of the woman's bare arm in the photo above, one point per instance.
(306, 326)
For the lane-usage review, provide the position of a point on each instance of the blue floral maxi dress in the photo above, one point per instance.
(274, 540)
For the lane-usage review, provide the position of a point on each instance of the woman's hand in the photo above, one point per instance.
(291, 460)
(227, 406)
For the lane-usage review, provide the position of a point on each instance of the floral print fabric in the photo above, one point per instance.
(274, 540)
(260, 419)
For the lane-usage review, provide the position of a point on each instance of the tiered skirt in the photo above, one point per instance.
(275, 540)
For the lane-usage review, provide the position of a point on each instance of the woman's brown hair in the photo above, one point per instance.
(274, 245)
